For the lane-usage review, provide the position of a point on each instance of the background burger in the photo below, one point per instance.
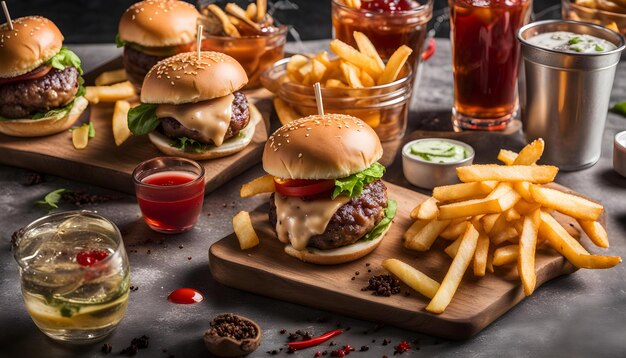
(40, 80)
(191, 108)
(152, 30)
(330, 205)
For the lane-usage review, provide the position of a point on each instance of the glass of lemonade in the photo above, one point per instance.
(74, 275)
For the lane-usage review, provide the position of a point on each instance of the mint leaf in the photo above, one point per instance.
(143, 119)
(118, 41)
(390, 213)
(68, 309)
(353, 185)
(65, 58)
(620, 108)
(599, 48)
(574, 40)
(52, 199)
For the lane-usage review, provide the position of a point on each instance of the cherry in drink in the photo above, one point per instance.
(485, 58)
(170, 192)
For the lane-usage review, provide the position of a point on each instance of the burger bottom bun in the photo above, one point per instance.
(44, 126)
(229, 147)
(339, 255)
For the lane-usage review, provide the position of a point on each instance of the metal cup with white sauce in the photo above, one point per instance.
(565, 96)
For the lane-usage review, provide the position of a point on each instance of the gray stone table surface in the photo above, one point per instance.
(581, 315)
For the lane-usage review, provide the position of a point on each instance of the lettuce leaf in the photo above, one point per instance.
(190, 145)
(353, 185)
(143, 119)
(390, 213)
(65, 58)
(118, 41)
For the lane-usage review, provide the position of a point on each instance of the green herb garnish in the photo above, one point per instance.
(52, 199)
(353, 185)
(574, 41)
(118, 41)
(390, 213)
(92, 130)
(620, 108)
(143, 119)
(65, 58)
(190, 145)
(599, 48)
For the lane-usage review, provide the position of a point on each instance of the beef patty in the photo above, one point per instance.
(351, 221)
(24, 98)
(137, 63)
(239, 120)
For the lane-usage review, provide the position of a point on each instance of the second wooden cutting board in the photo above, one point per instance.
(268, 271)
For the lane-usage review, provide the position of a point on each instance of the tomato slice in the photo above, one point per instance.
(303, 187)
(32, 75)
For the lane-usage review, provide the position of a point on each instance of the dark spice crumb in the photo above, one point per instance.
(367, 264)
(189, 258)
(129, 351)
(364, 349)
(317, 354)
(16, 235)
(369, 270)
(300, 335)
(283, 331)
(208, 214)
(106, 348)
(348, 328)
(383, 285)
(228, 325)
(141, 342)
(32, 179)
(80, 198)
(353, 278)
(180, 247)
(373, 341)
(133, 288)
(224, 205)
(149, 252)
(332, 343)
(291, 350)
(386, 342)
(324, 353)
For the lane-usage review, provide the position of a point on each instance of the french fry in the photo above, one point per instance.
(295, 63)
(531, 153)
(351, 74)
(506, 156)
(333, 83)
(261, 6)
(527, 248)
(463, 191)
(453, 248)
(490, 260)
(478, 206)
(120, 122)
(568, 204)
(241, 15)
(511, 215)
(242, 225)
(540, 174)
(367, 48)
(453, 231)
(455, 273)
(414, 229)
(80, 136)
(111, 77)
(597, 234)
(366, 79)
(427, 210)
(251, 11)
(505, 255)
(490, 220)
(424, 239)
(284, 111)
(500, 190)
(412, 277)
(480, 256)
(306, 69)
(524, 207)
(523, 188)
(395, 64)
(116, 92)
(318, 70)
(264, 184)
(228, 26)
(351, 55)
(558, 238)
(507, 234)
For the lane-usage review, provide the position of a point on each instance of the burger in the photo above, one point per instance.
(330, 205)
(191, 107)
(152, 30)
(41, 90)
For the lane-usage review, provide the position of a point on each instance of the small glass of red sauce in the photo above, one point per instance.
(170, 192)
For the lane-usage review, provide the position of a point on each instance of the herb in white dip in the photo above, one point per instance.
(571, 42)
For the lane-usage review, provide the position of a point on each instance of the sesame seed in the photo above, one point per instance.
(172, 83)
(300, 155)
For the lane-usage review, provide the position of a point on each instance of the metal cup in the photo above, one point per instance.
(565, 96)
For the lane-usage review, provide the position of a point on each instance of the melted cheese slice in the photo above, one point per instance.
(299, 220)
(210, 118)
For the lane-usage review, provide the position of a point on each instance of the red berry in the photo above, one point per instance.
(88, 258)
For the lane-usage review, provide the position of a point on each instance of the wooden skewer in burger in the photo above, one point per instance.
(330, 205)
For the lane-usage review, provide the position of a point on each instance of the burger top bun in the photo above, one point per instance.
(327, 146)
(158, 23)
(33, 41)
(184, 78)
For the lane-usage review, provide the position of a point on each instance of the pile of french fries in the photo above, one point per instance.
(234, 21)
(355, 4)
(499, 215)
(617, 6)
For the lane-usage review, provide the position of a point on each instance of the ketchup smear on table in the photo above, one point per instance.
(185, 296)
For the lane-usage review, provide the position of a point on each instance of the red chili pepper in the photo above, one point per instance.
(430, 50)
(315, 341)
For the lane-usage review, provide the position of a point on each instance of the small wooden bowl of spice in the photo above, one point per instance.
(232, 336)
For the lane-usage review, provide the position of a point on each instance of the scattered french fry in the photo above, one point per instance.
(395, 64)
(251, 11)
(264, 184)
(412, 277)
(527, 248)
(242, 225)
(112, 93)
(530, 154)
(540, 174)
(453, 248)
(597, 234)
(285, 112)
(80, 136)
(228, 26)
(427, 210)
(236, 11)
(351, 55)
(414, 229)
(507, 157)
(261, 6)
(120, 122)
(424, 239)
(568, 204)
(505, 255)
(111, 77)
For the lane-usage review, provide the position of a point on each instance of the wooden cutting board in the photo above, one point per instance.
(267, 270)
(103, 163)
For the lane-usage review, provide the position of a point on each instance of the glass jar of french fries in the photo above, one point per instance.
(386, 30)
(249, 36)
(608, 13)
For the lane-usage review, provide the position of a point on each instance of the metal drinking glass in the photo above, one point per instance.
(565, 95)
(485, 60)
(74, 275)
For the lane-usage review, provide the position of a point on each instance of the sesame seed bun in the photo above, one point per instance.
(159, 23)
(33, 41)
(339, 255)
(331, 146)
(44, 126)
(184, 78)
(229, 147)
